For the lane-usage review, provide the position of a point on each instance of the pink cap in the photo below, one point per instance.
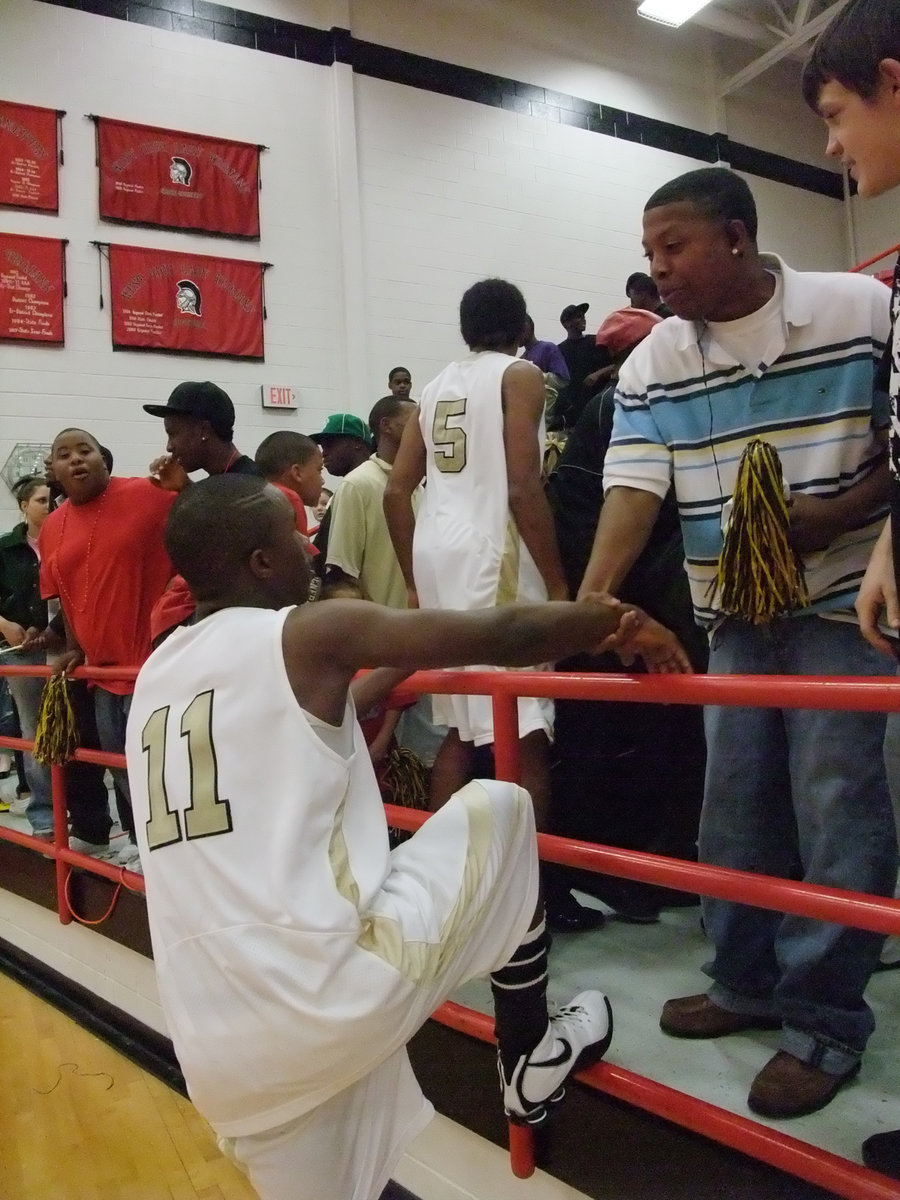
(624, 328)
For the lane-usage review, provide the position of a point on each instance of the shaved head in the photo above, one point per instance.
(215, 526)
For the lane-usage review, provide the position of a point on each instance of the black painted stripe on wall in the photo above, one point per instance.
(218, 22)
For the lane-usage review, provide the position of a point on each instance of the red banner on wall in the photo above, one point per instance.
(29, 155)
(172, 300)
(152, 176)
(32, 288)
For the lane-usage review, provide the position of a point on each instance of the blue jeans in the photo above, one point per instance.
(802, 795)
(26, 691)
(111, 712)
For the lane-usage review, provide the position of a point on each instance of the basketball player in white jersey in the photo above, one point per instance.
(484, 535)
(295, 954)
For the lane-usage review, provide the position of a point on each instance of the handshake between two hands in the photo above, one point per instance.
(638, 635)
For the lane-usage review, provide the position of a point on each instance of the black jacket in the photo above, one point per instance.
(20, 587)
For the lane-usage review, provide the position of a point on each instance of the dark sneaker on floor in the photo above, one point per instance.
(632, 902)
(578, 1036)
(787, 1087)
(566, 915)
(700, 1017)
(881, 1152)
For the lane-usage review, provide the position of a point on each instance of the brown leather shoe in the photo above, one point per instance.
(701, 1017)
(787, 1087)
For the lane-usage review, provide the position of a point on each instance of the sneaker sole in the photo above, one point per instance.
(749, 1025)
(588, 1057)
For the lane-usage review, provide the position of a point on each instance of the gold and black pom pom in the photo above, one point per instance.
(56, 734)
(759, 575)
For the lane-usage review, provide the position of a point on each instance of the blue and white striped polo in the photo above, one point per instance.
(686, 409)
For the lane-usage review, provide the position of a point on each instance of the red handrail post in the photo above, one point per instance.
(506, 737)
(521, 1151)
(60, 840)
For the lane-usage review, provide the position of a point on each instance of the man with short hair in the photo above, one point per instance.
(400, 382)
(852, 80)
(360, 547)
(296, 955)
(588, 364)
(757, 350)
(199, 424)
(642, 292)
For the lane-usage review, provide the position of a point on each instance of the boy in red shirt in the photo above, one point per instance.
(102, 555)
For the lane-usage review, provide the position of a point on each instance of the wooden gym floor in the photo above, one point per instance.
(78, 1121)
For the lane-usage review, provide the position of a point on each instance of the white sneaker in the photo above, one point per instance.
(578, 1035)
(19, 806)
(128, 857)
(101, 850)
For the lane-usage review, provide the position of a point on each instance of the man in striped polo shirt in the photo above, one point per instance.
(758, 350)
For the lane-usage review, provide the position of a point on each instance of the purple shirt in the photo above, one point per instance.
(548, 357)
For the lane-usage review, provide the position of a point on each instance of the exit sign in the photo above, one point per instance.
(278, 396)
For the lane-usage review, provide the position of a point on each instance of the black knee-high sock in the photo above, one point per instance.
(520, 998)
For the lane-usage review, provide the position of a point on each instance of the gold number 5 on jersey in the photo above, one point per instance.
(449, 439)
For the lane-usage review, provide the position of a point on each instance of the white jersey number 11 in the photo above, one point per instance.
(206, 815)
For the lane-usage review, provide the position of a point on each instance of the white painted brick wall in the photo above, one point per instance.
(449, 192)
(87, 64)
(553, 208)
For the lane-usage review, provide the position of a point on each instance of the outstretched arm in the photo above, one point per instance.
(626, 522)
(324, 645)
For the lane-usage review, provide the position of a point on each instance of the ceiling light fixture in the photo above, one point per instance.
(670, 12)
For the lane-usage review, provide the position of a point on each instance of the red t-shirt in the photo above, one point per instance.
(106, 562)
(297, 505)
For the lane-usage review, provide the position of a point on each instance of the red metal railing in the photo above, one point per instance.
(850, 908)
(870, 262)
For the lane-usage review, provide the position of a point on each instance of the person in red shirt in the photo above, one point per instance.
(102, 555)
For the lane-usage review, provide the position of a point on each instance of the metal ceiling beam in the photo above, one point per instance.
(785, 47)
(801, 14)
(783, 20)
(730, 25)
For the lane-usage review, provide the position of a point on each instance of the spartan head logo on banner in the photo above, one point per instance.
(152, 176)
(182, 302)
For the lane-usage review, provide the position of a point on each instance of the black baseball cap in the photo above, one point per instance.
(205, 401)
(572, 310)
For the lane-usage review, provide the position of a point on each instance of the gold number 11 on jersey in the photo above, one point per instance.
(206, 814)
